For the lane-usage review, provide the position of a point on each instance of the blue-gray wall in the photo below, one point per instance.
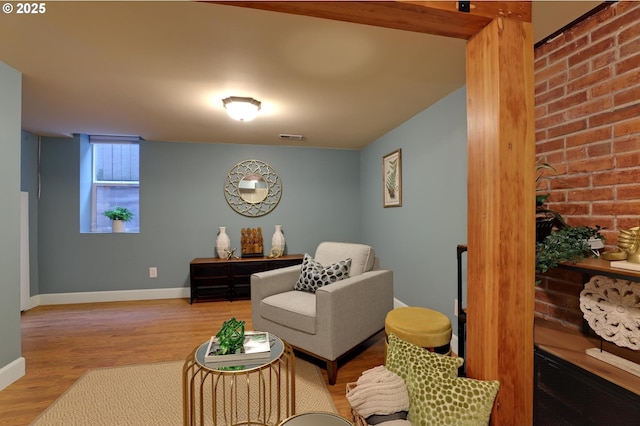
(418, 240)
(29, 184)
(327, 195)
(182, 205)
(10, 121)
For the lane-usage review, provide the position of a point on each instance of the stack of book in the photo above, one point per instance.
(623, 264)
(255, 350)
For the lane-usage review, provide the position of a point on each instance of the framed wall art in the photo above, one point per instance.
(392, 179)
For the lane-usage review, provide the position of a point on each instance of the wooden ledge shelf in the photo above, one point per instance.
(570, 345)
(573, 388)
(593, 266)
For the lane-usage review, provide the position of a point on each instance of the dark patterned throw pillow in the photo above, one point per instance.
(313, 275)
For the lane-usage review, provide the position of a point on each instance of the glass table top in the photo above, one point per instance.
(277, 348)
(316, 419)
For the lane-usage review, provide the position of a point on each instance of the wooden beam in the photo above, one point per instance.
(501, 176)
(432, 17)
(501, 231)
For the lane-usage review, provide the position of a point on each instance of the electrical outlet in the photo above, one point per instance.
(455, 307)
(153, 272)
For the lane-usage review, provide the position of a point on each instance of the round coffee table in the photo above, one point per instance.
(316, 419)
(250, 394)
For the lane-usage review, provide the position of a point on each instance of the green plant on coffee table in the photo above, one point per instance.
(119, 213)
(230, 336)
(569, 244)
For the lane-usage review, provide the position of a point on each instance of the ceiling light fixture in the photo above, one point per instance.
(241, 109)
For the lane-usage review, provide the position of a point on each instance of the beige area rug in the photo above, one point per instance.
(151, 394)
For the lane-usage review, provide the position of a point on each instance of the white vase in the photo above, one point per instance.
(117, 226)
(277, 241)
(223, 243)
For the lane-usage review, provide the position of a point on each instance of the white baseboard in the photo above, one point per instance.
(398, 304)
(454, 344)
(110, 296)
(12, 372)
(454, 338)
(29, 303)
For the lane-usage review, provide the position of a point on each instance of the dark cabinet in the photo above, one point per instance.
(241, 273)
(571, 387)
(215, 278)
(574, 388)
(566, 394)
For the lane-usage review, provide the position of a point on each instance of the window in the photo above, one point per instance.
(115, 180)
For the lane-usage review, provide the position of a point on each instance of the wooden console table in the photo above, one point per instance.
(573, 388)
(215, 278)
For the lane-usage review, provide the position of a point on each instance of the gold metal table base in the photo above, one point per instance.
(263, 395)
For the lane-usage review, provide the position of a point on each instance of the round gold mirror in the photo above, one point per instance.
(252, 188)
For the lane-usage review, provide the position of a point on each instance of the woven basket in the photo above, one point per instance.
(358, 420)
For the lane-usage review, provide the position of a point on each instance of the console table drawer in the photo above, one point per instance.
(206, 291)
(244, 270)
(209, 270)
(288, 262)
(215, 278)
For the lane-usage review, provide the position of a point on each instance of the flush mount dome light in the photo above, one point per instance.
(241, 109)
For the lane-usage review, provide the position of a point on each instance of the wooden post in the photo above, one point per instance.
(501, 175)
(501, 231)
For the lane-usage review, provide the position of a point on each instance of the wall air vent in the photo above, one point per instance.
(285, 136)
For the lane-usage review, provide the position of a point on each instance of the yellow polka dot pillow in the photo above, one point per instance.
(436, 395)
(448, 402)
(400, 354)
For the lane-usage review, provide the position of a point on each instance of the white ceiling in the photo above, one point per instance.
(160, 70)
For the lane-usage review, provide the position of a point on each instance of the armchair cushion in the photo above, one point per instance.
(313, 275)
(292, 309)
(362, 256)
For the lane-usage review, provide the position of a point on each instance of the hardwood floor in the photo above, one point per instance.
(61, 342)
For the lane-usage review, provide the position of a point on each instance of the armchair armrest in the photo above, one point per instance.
(355, 307)
(268, 283)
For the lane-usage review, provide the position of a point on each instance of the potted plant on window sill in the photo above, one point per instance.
(118, 216)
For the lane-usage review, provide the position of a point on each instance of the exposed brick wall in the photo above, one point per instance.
(558, 297)
(587, 91)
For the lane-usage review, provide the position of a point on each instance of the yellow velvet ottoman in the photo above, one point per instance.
(421, 326)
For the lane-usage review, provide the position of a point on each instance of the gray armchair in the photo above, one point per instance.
(337, 317)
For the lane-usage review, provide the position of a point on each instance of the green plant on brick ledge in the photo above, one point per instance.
(569, 244)
(546, 219)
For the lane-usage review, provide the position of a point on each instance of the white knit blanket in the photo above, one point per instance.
(378, 391)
